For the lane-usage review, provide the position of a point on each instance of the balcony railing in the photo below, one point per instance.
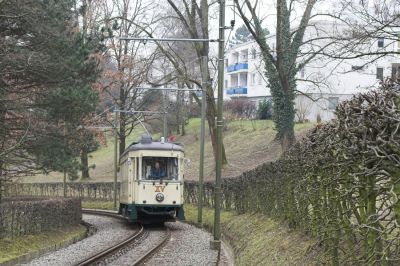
(237, 67)
(236, 90)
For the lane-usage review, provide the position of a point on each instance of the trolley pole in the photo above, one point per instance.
(216, 243)
(202, 135)
(115, 158)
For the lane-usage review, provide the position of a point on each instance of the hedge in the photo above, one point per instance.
(99, 190)
(23, 216)
(340, 184)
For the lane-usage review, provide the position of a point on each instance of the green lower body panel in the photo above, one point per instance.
(129, 211)
(152, 213)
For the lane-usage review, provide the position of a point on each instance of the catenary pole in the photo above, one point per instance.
(115, 158)
(202, 136)
(216, 244)
(65, 170)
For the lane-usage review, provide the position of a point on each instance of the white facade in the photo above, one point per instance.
(325, 80)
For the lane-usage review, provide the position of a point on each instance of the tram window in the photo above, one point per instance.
(154, 168)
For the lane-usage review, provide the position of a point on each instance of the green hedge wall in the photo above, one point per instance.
(23, 216)
(98, 190)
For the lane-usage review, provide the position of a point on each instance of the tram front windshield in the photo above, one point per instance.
(155, 168)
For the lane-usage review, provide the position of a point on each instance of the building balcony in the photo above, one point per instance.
(236, 90)
(238, 66)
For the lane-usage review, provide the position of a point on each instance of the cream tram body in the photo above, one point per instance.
(145, 194)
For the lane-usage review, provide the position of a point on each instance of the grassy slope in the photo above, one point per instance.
(259, 240)
(13, 248)
(247, 144)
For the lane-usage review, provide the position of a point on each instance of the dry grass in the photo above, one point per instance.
(98, 204)
(247, 144)
(14, 248)
(259, 240)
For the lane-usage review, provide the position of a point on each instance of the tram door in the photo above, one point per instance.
(131, 177)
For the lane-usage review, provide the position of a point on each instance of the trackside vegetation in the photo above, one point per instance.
(339, 185)
(259, 240)
(24, 248)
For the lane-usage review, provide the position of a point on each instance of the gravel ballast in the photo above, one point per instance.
(109, 231)
(188, 245)
(137, 249)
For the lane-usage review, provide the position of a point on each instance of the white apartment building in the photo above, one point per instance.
(322, 83)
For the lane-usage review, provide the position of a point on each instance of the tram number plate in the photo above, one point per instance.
(160, 188)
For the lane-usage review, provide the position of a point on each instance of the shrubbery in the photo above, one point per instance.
(241, 108)
(23, 216)
(264, 110)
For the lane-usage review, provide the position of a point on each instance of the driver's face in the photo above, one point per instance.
(157, 165)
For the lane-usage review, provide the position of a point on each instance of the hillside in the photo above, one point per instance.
(247, 144)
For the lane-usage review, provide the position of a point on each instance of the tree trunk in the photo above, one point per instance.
(122, 138)
(122, 123)
(178, 111)
(211, 115)
(183, 127)
(85, 164)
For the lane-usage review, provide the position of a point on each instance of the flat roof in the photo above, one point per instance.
(154, 146)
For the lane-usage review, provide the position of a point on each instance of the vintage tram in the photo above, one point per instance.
(151, 174)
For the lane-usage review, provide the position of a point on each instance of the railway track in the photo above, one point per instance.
(101, 256)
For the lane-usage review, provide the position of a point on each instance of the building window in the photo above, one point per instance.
(356, 68)
(253, 79)
(398, 43)
(381, 42)
(379, 73)
(259, 79)
(226, 84)
(333, 103)
(302, 72)
(253, 53)
(396, 72)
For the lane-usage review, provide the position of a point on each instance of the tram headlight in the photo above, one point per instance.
(159, 197)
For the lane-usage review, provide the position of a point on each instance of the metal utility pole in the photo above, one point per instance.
(202, 135)
(115, 158)
(216, 243)
(165, 114)
(65, 170)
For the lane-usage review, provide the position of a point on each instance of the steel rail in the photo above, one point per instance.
(154, 250)
(99, 256)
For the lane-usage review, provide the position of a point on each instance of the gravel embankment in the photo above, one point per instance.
(109, 231)
(188, 246)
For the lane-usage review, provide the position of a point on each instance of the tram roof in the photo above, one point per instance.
(154, 146)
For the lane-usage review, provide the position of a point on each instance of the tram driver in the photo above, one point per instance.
(157, 172)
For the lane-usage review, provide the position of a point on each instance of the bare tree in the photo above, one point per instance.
(280, 64)
(127, 62)
(193, 19)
